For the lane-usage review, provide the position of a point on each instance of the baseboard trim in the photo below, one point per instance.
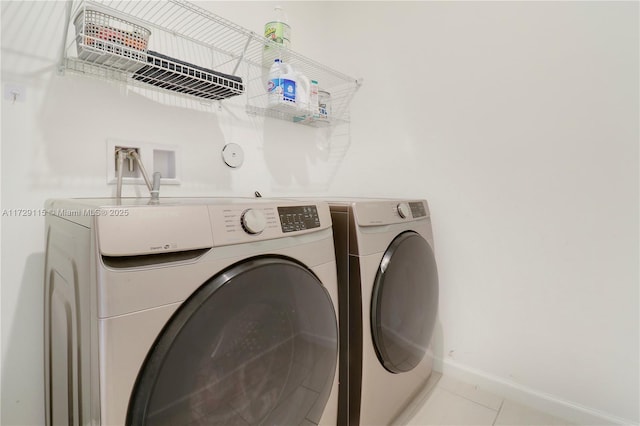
(513, 391)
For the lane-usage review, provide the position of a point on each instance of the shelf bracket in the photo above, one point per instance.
(63, 48)
(242, 55)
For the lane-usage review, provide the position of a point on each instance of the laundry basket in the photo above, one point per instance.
(108, 40)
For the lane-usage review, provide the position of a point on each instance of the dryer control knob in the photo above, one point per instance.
(253, 221)
(403, 210)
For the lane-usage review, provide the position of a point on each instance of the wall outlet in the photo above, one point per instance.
(154, 157)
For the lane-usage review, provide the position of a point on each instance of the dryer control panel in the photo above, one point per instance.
(388, 212)
(417, 209)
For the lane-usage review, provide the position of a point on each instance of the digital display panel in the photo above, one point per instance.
(298, 218)
(417, 209)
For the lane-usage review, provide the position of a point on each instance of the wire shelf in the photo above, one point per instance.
(172, 74)
(192, 52)
(336, 111)
(105, 39)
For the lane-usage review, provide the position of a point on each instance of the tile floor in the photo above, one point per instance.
(456, 403)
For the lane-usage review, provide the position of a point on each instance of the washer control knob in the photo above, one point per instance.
(403, 210)
(253, 221)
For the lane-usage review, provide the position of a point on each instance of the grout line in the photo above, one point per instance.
(479, 403)
(475, 402)
(498, 414)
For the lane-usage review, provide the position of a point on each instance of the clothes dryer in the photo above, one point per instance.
(388, 284)
(190, 312)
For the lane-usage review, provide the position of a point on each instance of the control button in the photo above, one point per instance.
(403, 210)
(253, 221)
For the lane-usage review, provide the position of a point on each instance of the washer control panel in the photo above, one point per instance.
(298, 218)
(253, 221)
(240, 222)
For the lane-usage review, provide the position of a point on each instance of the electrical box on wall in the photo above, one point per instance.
(154, 157)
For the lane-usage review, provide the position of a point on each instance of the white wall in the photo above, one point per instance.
(518, 121)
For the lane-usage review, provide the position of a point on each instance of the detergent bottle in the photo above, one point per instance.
(281, 85)
(274, 83)
(289, 85)
(303, 90)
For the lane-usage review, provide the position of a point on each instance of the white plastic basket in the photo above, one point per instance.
(110, 41)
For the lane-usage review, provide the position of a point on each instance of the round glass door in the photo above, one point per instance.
(256, 344)
(404, 303)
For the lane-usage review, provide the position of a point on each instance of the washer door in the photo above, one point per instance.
(256, 344)
(404, 303)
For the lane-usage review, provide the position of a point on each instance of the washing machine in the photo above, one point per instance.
(190, 312)
(388, 283)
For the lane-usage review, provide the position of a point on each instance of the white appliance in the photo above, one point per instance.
(190, 312)
(388, 285)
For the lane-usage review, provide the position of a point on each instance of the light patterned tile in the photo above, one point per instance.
(514, 414)
(472, 392)
(446, 408)
(416, 404)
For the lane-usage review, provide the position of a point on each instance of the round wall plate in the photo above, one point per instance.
(233, 155)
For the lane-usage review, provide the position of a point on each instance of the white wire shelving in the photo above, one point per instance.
(184, 49)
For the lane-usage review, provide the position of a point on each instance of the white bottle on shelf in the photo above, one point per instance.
(289, 87)
(278, 29)
(278, 32)
(274, 83)
(324, 105)
(313, 99)
(281, 84)
(303, 90)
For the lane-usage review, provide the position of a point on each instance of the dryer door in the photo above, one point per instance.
(404, 302)
(256, 344)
